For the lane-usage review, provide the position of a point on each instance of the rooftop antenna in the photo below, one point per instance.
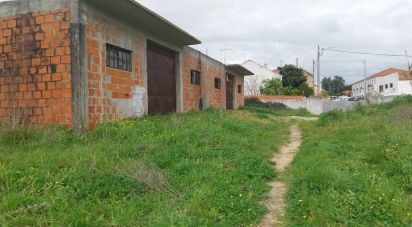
(225, 50)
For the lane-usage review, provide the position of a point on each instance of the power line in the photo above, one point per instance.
(367, 53)
(339, 61)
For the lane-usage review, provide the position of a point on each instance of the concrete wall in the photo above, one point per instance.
(314, 105)
(35, 62)
(405, 87)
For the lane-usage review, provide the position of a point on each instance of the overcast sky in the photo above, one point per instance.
(275, 31)
(271, 31)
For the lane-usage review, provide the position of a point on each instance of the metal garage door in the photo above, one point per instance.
(161, 79)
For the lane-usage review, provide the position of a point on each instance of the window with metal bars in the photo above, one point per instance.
(118, 58)
(218, 83)
(195, 77)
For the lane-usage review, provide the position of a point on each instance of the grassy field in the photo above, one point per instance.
(196, 169)
(355, 169)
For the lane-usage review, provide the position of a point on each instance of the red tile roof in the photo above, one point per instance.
(403, 74)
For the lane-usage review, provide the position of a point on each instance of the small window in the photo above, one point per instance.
(239, 89)
(218, 83)
(381, 88)
(195, 77)
(386, 86)
(391, 85)
(118, 58)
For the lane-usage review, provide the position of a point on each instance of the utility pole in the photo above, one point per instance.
(297, 62)
(318, 72)
(409, 63)
(281, 63)
(314, 81)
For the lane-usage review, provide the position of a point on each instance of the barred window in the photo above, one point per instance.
(218, 83)
(195, 77)
(118, 58)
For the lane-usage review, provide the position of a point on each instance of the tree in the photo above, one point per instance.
(292, 76)
(333, 86)
(272, 87)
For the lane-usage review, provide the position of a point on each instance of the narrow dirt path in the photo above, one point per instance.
(276, 203)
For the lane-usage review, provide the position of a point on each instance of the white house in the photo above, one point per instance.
(260, 73)
(390, 82)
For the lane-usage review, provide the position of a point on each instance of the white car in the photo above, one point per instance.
(343, 98)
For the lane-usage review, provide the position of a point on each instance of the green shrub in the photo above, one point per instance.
(330, 116)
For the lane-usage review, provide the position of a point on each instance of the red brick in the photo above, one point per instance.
(36, 62)
(7, 32)
(39, 20)
(56, 60)
(11, 24)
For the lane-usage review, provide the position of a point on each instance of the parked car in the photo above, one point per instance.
(353, 99)
(334, 98)
(343, 98)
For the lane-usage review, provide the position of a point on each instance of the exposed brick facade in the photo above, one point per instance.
(35, 84)
(209, 70)
(239, 96)
(108, 88)
(37, 48)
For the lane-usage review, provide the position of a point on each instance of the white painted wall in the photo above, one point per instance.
(261, 73)
(391, 85)
(405, 87)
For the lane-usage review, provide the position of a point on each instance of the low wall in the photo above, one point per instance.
(372, 99)
(314, 105)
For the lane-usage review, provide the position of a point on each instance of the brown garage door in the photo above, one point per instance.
(230, 83)
(161, 79)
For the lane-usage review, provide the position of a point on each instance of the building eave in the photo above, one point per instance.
(239, 70)
(140, 16)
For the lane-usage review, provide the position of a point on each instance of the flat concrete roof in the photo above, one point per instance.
(239, 70)
(143, 17)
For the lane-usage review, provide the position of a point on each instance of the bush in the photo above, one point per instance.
(330, 116)
(255, 102)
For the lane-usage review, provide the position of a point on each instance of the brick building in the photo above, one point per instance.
(81, 62)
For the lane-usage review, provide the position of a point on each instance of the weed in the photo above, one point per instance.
(355, 170)
(195, 169)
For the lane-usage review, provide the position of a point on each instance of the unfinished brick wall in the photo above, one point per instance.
(209, 70)
(217, 97)
(240, 98)
(111, 91)
(192, 93)
(35, 79)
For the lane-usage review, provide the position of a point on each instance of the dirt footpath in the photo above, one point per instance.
(276, 203)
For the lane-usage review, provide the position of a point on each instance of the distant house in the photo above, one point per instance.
(390, 82)
(310, 78)
(260, 73)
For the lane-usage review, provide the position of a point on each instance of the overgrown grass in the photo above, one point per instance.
(197, 169)
(355, 169)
